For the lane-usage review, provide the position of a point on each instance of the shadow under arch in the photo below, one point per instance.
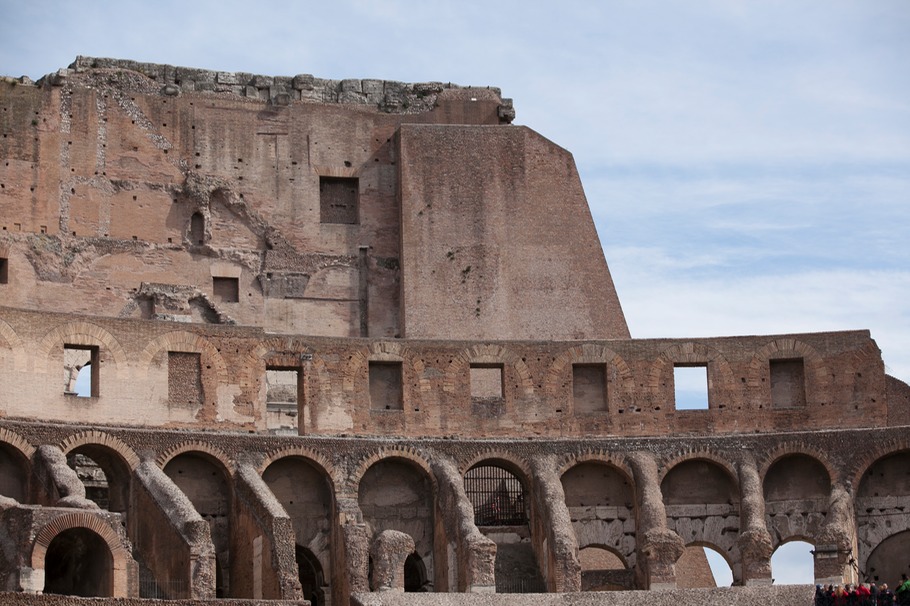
(207, 484)
(79, 563)
(397, 493)
(15, 471)
(309, 572)
(888, 560)
(603, 568)
(305, 490)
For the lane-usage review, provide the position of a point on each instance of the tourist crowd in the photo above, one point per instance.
(863, 594)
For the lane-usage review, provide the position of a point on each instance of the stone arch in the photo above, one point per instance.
(17, 442)
(702, 500)
(487, 354)
(88, 521)
(730, 556)
(702, 455)
(15, 465)
(79, 333)
(503, 458)
(587, 353)
(11, 341)
(116, 460)
(181, 340)
(409, 454)
(613, 459)
(867, 457)
(692, 352)
(888, 558)
(398, 493)
(306, 491)
(202, 475)
(604, 568)
(100, 438)
(314, 457)
(786, 449)
(817, 389)
(198, 448)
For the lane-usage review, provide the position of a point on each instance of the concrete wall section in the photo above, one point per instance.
(497, 239)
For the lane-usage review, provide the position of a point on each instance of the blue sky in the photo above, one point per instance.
(747, 163)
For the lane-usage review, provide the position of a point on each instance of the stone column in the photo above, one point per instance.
(352, 556)
(834, 547)
(754, 539)
(469, 555)
(389, 551)
(658, 547)
(558, 551)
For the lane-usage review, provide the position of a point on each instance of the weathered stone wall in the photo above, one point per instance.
(844, 381)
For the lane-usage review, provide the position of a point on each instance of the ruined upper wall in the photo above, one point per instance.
(146, 191)
(386, 95)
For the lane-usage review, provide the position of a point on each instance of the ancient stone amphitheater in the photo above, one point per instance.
(282, 338)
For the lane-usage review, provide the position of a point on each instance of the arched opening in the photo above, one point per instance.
(601, 502)
(205, 483)
(197, 228)
(702, 566)
(714, 523)
(792, 564)
(13, 473)
(500, 502)
(309, 571)
(796, 477)
(93, 478)
(882, 519)
(396, 494)
(603, 570)
(105, 474)
(79, 562)
(305, 493)
(498, 496)
(415, 574)
(889, 560)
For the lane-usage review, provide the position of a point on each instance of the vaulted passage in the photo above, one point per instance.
(78, 562)
(13, 474)
(395, 494)
(205, 484)
(304, 492)
(883, 519)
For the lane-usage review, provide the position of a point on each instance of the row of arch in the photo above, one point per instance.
(396, 489)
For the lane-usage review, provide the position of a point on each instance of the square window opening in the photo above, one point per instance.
(487, 382)
(184, 379)
(589, 388)
(385, 386)
(339, 200)
(226, 290)
(690, 383)
(788, 383)
(80, 370)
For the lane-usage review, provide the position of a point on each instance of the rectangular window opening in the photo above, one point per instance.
(184, 379)
(691, 386)
(80, 370)
(385, 386)
(589, 387)
(788, 383)
(283, 392)
(339, 199)
(226, 290)
(486, 381)
(4, 271)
